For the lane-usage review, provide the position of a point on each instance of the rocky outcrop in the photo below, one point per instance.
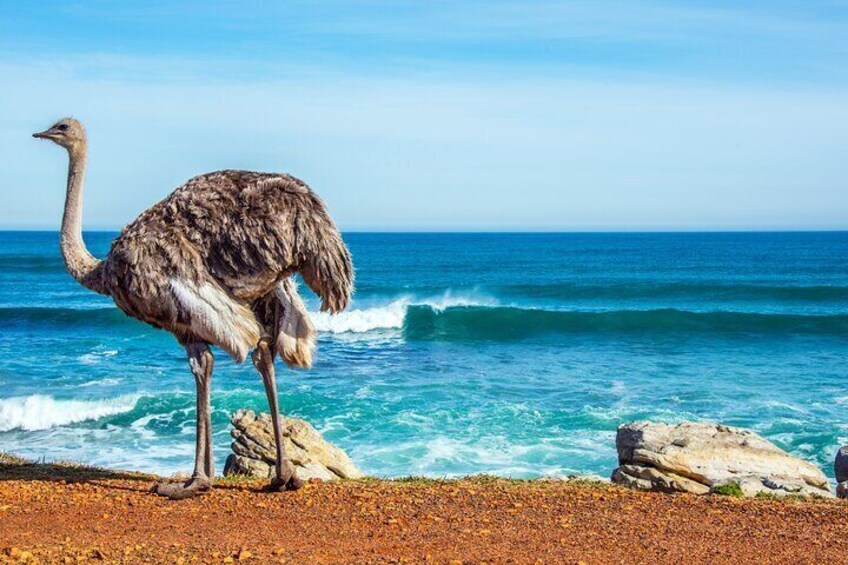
(700, 457)
(254, 453)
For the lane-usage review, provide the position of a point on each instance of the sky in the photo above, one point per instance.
(440, 116)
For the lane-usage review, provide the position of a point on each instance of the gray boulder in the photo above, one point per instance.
(840, 469)
(254, 452)
(697, 457)
(840, 465)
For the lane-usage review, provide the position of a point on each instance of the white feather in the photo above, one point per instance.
(218, 318)
(296, 334)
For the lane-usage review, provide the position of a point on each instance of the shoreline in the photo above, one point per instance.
(58, 513)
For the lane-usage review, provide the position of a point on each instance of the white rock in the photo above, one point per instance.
(698, 456)
(254, 452)
(591, 478)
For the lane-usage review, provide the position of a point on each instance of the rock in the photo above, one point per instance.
(842, 489)
(590, 478)
(254, 453)
(649, 478)
(696, 457)
(840, 465)
(241, 465)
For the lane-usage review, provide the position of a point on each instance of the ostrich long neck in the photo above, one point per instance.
(79, 262)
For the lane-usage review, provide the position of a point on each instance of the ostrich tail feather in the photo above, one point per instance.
(296, 334)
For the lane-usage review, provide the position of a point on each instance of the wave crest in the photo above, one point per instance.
(389, 317)
(507, 322)
(42, 412)
(451, 317)
(361, 321)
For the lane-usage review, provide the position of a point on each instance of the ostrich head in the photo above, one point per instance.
(67, 132)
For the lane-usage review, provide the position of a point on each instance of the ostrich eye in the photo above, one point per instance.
(62, 127)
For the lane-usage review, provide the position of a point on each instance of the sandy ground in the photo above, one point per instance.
(52, 514)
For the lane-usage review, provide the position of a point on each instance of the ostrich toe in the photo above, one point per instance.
(181, 491)
(292, 482)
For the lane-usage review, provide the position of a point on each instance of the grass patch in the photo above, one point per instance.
(235, 479)
(588, 482)
(13, 467)
(784, 497)
(788, 497)
(728, 489)
(483, 481)
(417, 480)
(9, 459)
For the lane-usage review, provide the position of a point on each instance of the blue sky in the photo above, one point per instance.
(499, 115)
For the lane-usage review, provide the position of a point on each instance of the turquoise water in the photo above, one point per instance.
(514, 354)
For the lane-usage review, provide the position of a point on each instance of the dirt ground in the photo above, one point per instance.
(53, 514)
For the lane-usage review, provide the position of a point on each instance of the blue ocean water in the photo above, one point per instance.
(511, 354)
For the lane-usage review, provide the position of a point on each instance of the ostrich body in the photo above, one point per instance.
(211, 264)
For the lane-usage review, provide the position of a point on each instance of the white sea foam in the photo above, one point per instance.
(360, 321)
(388, 316)
(444, 456)
(95, 357)
(41, 412)
(101, 382)
(618, 388)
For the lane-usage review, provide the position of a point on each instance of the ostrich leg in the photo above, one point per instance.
(201, 361)
(286, 477)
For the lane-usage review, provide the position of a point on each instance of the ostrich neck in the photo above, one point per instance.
(79, 262)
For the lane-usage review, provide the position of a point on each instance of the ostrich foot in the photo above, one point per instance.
(286, 479)
(181, 491)
(277, 484)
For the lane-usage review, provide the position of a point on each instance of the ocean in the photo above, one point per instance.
(510, 354)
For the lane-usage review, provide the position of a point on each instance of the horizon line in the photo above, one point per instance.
(516, 231)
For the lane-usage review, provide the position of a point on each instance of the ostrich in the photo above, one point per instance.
(211, 264)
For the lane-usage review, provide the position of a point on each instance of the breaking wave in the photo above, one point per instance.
(505, 322)
(388, 317)
(451, 318)
(458, 317)
(42, 412)
(360, 321)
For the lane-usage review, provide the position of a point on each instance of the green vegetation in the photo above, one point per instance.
(728, 489)
(235, 479)
(13, 467)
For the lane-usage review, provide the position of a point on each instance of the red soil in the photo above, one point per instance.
(93, 517)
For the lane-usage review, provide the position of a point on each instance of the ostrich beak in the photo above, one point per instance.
(46, 134)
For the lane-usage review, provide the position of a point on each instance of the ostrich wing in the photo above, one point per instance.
(238, 231)
(255, 228)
